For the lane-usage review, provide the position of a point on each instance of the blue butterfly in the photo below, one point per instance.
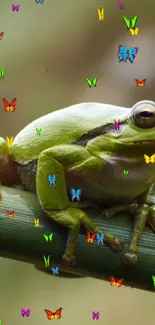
(41, 1)
(124, 54)
(51, 180)
(75, 194)
(55, 270)
(100, 238)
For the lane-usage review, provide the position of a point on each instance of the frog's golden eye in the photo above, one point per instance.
(143, 114)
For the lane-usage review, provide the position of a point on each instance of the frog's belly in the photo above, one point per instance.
(111, 186)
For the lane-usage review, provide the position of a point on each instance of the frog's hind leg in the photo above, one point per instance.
(54, 200)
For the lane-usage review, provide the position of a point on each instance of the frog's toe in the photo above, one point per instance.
(130, 258)
(117, 245)
(69, 259)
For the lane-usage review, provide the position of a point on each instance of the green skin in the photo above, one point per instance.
(81, 146)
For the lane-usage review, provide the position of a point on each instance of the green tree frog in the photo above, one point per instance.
(80, 146)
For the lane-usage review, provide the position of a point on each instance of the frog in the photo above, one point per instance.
(81, 147)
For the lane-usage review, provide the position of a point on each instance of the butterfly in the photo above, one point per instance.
(36, 222)
(124, 54)
(25, 312)
(55, 270)
(100, 238)
(2, 73)
(9, 141)
(75, 194)
(130, 23)
(51, 315)
(126, 172)
(134, 31)
(117, 125)
(9, 106)
(15, 8)
(149, 159)
(10, 213)
(51, 180)
(38, 131)
(100, 14)
(113, 282)
(95, 315)
(140, 83)
(1, 35)
(41, 1)
(90, 238)
(48, 237)
(92, 82)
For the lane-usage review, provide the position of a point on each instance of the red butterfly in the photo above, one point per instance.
(140, 83)
(11, 213)
(9, 106)
(51, 315)
(113, 282)
(1, 35)
(90, 238)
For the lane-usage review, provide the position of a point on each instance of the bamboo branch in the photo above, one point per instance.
(21, 240)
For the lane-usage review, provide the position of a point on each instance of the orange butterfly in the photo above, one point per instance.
(9, 106)
(90, 238)
(1, 35)
(113, 282)
(140, 83)
(51, 315)
(11, 213)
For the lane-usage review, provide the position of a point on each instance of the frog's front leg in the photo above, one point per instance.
(55, 200)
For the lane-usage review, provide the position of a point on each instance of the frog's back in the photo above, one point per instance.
(62, 127)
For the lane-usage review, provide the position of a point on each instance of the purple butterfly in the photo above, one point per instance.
(25, 312)
(15, 8)
(95, 315)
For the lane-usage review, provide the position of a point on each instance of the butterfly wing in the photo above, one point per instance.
(12, 105)
(58, 313)
(122, 53)
(132, 31)
(49, 314)
(1, 35)
(119, 283)
(134, 22)
(6, 105)
(136, 31)
(88, 237)
(127, 21)
(2, 73)
(152, 159)
(73, 192)
(132, 53)
(95, 81)
(112, 281)
(147, 159)
(78, 191)
(89, 82)
(143, 83)
(102, 236)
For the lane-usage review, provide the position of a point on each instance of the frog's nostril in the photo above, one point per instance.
(146, 114)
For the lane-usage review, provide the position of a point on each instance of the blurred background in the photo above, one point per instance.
(48, 50)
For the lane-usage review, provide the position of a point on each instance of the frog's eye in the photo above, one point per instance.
(143, 114)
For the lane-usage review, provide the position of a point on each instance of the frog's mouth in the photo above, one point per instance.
(145, 142)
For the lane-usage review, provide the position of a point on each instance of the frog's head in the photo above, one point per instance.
(137, 131)
(8, 168)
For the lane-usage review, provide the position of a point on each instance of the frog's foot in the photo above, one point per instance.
(108, 213)
(130, 258)
(69, 259)
(115, 243)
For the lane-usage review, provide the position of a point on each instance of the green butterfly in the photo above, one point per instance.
(130, 23)
(38, 131)
(2, 73)
(126, 172)
(92, 82)
(48, 237)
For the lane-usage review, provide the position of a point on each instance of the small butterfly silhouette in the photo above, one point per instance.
(2, 72)
(90, 238)
(113, 282)
(75, 194)
(25, 312)
(9, 106)
(134, 31)
(92, 82)
(51, 180)
(9, 141)
(51, 315)
(100, 238)
(124, 54)
(95, 315)
(10, 213)
(149, 159)
(55, 270)
(140, 83)
(15, 8)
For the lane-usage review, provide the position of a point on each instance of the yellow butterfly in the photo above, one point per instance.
(149, 159)
(100, 14)
(9, 141)
(36, 222)
(134, 31)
